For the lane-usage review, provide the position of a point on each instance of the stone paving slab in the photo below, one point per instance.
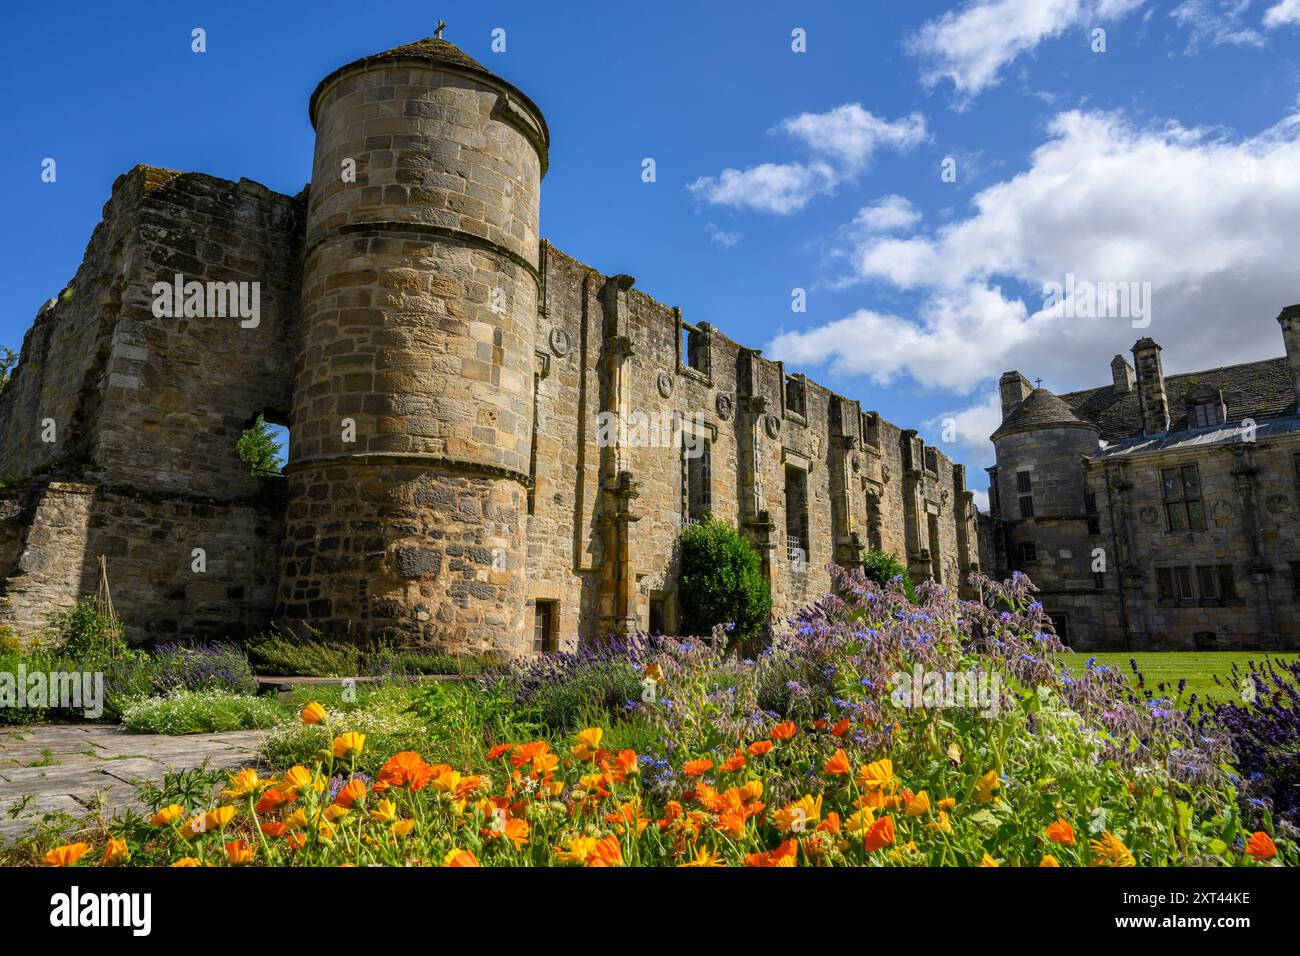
(68, 768)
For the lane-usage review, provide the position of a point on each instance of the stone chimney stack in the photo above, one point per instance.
(1014, 388)
(1151, 387)
(1289, 319)
(1122, 374)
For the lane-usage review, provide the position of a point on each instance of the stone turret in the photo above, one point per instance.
(413, 392)
(1121, 374)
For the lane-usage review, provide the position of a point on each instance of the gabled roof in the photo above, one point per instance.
(1040, 409)
(1257, 390)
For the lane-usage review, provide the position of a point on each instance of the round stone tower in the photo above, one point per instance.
(410, 427)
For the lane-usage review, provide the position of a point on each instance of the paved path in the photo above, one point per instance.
(63, 767)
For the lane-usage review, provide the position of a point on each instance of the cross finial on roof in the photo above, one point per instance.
(1038, 383)
(437, 31)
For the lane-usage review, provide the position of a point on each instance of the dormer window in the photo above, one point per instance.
(1205, 407)
(1205, 415)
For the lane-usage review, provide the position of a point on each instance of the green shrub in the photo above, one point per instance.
(285, 654)
(882, 567)
(721, 581)
(200, 712)
(84, 634)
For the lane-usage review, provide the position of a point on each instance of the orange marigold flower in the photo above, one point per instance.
(838, 765)
(752, 790)
(218, 818)
(732, 822)
(606, 852)
(299, 779)
(313, 713)
(460, 858)
(987, 860)
(495, 752)
(784, 855)
(947, 803)
(831, 824)
(526, 752)
(406, 769)
(918, 806)
(784, 731)
(274, 829)
(349, 744)
(880, 834)
(239, 853)
(167, 814)
(985, 786)
(1261, 846)
(1111, 851)
(187, 861)
(1060, 832)
(704, 857)
(799, 816)
(402, 828)
(447, 781)
(66, 855)
(842, 728)
(116, 852)
(588, 743)
(877, 775)
(354, 792)
(695, 768)
(1048, 860)
(733, 763)
(820, 725)
(272, 800)
(760, 747)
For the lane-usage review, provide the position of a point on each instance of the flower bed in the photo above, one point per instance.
(875, 732)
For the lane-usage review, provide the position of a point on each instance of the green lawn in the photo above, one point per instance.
(1199, 667)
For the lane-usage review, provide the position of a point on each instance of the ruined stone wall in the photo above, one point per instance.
(146, 411)
(605, 346)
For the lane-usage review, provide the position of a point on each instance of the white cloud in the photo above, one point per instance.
(1207, 219)
(769, 187)
(1285, 13)
(721, 236)
(973, 425)
(1217, 21)
(886, 215)
(969, 46)
(842, 141)
(850, 135)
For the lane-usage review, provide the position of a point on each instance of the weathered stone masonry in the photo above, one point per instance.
(448, 379)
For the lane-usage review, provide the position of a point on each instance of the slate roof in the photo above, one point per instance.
(1257, 390)
(1040, 409)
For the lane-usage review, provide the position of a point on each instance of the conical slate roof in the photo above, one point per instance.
(432, 50)
(1040, 409)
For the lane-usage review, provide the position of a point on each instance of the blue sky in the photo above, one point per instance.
(1171, 158)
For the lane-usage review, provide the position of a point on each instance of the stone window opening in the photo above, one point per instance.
(697, 494)
(1184, 510)
(694, 348)
(1025, 493)
(545, 619)
(936, 565)
(872, 430)
(263, 445)
(1028, 552)
(795, 395)
(1205, 641)
(1099, 580)
(1090, 510)
(532, 451)
(796, 514)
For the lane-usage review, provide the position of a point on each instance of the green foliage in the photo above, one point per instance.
(882, 567)
(85, 634)
(8, 359)
(259, 450)
(201, 712)
(383, 713)
(470, 717)
(586, 694)
(285, 654)
(721, 581)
